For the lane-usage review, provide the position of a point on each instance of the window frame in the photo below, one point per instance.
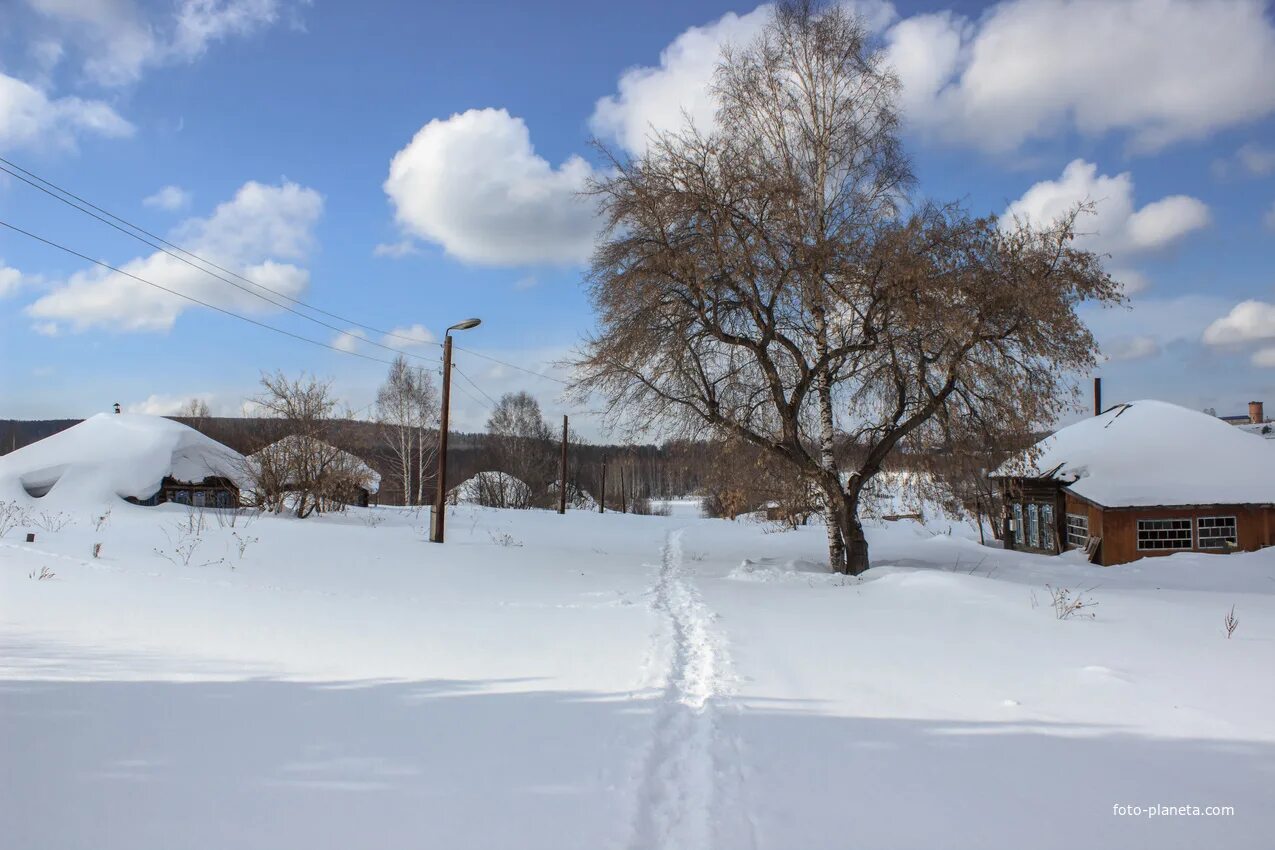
(1048, 527)
(1233, 538)
(1033, 526)
(1189, 528)
(1020, 532)
(1071, 526)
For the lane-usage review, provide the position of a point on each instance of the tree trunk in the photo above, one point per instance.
(856, 546)
(827, 457)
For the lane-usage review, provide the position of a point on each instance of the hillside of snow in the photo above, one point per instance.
(615, 681)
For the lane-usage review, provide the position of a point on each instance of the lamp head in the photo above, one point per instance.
(465, 325)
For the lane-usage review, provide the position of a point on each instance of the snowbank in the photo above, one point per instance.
(1154, 453)
(112, 456)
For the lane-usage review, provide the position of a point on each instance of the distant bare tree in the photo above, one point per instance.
(407, 409)
(766, 280)
(196, 411)
(522, 442)
(303, 471)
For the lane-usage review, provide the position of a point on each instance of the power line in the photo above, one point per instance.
(190, 298)
(475, 386)
(512, 365)
(53, 189)
(473, 397)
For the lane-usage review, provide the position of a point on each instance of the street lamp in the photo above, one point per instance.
(440, 497)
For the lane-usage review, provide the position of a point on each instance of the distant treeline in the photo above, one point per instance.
(632, 471)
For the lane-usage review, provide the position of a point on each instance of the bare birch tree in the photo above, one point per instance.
(770, 280)
(522, 442)
(407, 408)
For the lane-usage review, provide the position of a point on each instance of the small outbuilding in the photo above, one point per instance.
(1141, 479)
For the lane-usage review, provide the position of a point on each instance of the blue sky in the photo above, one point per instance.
(276, 124)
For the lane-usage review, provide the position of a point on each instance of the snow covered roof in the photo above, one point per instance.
(371, 479)
(506, 487)
(115, 455)
(1155, 453)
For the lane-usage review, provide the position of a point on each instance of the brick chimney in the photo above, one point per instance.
(1255, 413)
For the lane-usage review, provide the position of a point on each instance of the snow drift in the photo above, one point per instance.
(114, 456)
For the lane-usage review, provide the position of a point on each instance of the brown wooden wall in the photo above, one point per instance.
(1118, 527)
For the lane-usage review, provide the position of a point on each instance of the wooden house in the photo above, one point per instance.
(1139, 480)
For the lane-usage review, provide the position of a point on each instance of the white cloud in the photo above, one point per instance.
(29, 118)
(254, 234)
(171, 198)
(158, 404)
(474, 184)
(1251, 159)
(1115, 226)
(1131, 281)
(1165, 321)
(1256, 160)
(402, 248)
(349, 340)
(119, 39)
(1131, 348)
(1159, 71)
(1248, 321)
(10, 280)
(411, 336)
(658, 97)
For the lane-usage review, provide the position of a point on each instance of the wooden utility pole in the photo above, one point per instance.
(602, 498)
(440, 495)
(562, 476)
(624, 503)
(1097, 396)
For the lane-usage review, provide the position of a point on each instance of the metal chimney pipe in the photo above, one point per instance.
(1097, 396)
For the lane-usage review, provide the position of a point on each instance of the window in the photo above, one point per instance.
(1018, 524)
(1160, 534)
(1033, 527)
(223, 498)
(200, 498)
(1047, 527)
(1077, 530)
(1217, 532)
(181, 497)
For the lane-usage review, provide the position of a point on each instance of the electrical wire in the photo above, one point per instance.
(53, 190)
(470, 381)
(511, 365)
(191, 298)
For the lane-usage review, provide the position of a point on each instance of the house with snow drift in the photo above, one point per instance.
(1141, 479)
(142, 459)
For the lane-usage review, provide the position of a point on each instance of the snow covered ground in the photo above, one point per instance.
(612, 681)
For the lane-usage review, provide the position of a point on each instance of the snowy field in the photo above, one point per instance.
(610, 681)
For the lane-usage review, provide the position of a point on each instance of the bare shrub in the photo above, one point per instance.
(52, 522)
(43, 575)
(13, 515)
(1231, 622)
(504, 538)
(1068, 604)
(97, 550)
(101, 519)
(242, 542)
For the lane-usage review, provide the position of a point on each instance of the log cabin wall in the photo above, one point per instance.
(1118, 528)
